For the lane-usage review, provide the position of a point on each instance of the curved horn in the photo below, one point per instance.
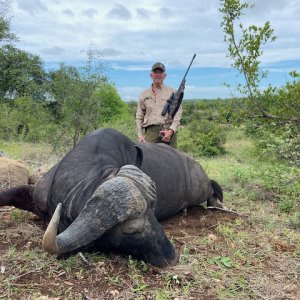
(112, 203)
(49, 238)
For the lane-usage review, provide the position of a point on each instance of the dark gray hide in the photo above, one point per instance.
(75, 182)
(180, 181)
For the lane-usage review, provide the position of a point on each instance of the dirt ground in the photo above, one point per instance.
(111, 277)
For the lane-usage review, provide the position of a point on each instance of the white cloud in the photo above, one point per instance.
(129, 93)
(90, 12)
(119, 12)
(54, 51)
(143, 13)
(32, 7)
(146, 31)
(139, 32)
(68, 12)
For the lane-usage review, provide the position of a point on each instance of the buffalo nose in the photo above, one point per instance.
(175, 260)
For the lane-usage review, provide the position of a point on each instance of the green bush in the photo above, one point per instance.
(125, 124)
(7, 125)
(277, 141)
(204, 138)
(25, 119)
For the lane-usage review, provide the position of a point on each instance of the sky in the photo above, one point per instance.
(132, 35)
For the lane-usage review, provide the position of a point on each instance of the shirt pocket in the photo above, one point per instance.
(149, 104)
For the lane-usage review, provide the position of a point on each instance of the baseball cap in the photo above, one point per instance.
(158, 65)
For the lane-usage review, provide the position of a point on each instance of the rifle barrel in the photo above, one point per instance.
(175, 97)
(189, 66)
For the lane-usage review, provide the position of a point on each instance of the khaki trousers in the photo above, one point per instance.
(152, 135)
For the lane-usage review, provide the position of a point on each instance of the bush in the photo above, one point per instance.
(7, 125)
(25, 119)
(125, 124)
(204, 138)
(277, 142)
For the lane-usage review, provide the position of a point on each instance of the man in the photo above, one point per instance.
(151, 125)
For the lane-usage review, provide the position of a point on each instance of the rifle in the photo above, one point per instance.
(173, 103)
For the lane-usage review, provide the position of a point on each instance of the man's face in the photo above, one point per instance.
(158, 76)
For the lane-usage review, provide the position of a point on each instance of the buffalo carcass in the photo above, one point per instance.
(109, 193)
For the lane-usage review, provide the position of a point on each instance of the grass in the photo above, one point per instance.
(26, 151)
(255, 255)
(268, 193)
(255, 184)
(38, 157)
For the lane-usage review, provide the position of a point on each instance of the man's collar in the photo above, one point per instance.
(161, 87)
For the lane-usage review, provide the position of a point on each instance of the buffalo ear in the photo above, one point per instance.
(20, 197)
(139, 156)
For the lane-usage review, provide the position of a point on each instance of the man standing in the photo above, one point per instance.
(151, 125)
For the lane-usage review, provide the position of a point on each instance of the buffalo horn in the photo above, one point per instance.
(112, 203)
(49, 238)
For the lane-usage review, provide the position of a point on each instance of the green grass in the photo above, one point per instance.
(26, 151)
(38, 157)
(254, 184)
(254, 256)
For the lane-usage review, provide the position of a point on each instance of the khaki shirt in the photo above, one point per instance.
(149, 110)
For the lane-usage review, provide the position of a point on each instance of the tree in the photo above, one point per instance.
(84, 98)
(32, 119)
(245, 52)
(5, 34)
(76, 108)
(7, 125)
(111, 104)
(275, 111)
(25, 119)
(21, 74)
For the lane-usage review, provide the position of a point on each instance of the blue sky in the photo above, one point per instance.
(201, 82)
(132, 35)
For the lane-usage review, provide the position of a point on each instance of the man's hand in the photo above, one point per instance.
(141, 138)
(167, 134)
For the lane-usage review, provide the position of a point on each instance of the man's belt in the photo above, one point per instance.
(159, 127)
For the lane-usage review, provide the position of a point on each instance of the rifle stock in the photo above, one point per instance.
(167, 105)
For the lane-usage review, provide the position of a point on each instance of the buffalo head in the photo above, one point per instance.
(120, 215)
